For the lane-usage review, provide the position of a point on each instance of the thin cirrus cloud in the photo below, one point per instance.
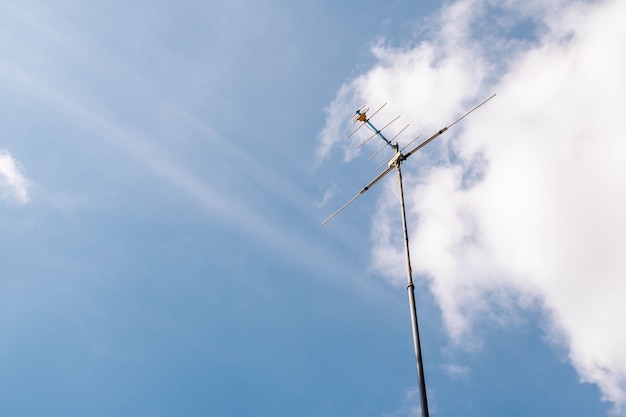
(13, 182)
(78, 101)
(523, 206)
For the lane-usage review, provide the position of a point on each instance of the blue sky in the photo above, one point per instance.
(164, 167)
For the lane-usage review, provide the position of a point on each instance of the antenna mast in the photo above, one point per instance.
(396, 162)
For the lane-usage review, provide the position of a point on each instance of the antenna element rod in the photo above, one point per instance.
(367, 187)
(430, 139)
(467, 114)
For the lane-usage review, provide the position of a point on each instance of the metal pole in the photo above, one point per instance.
(411, 290)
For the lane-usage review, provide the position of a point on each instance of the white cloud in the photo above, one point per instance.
(328, 194)
(526, 206)
(408, 408)
(13, 183)
(456, 372)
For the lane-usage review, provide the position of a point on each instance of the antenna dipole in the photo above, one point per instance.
(396, 162)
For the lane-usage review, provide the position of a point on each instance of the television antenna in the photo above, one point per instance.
(396, 161)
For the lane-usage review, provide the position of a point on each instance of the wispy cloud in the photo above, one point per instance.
(456, 372)
(87, 86)
(328, 194)
(408, 407)
(524, 204)
(13, 182)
